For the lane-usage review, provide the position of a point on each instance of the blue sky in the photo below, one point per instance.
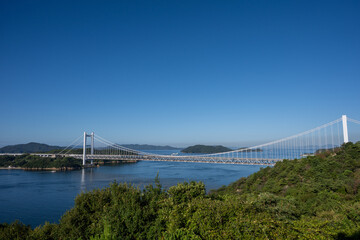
(176, 72)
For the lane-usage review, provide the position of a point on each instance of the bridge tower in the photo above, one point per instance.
(345, 129)
(91, 135)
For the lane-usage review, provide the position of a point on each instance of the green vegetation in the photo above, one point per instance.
(28, 161)
(317, 197)
(31, 147)
(205, 149)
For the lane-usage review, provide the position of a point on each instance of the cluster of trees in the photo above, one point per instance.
(317, 197)
(28, 161)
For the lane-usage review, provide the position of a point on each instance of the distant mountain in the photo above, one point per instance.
(31, 147)
(148, 147)
(206, 149)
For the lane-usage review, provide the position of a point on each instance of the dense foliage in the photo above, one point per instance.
(28, 161)
(312, 198)
(205, 149)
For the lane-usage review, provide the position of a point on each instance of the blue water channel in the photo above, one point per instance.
(34, 197)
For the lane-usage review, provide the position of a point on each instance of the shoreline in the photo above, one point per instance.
(42, 169)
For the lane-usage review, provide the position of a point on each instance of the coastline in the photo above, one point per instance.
(41, 169)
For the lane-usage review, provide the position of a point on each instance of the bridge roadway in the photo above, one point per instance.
(164, 158)
(192, 158)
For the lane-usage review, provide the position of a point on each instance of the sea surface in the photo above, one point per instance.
(34, 197)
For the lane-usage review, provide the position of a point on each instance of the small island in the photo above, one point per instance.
(205, 149)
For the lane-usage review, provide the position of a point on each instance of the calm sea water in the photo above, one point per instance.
(36, 197)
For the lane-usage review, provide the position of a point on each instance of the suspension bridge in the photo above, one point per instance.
(327, 137)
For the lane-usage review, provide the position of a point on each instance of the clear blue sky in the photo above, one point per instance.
(176, 72)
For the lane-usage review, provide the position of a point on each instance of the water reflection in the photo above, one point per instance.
(82, 183)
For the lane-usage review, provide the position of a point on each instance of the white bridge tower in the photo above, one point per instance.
(345, 129)
(91, 146)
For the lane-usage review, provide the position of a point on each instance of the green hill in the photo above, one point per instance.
(331, 172)
(31, 147)
(205, 149)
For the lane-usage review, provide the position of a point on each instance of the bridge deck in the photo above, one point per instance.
(192, 158)
(163, 158)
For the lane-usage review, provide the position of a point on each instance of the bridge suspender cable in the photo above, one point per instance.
(72, 144)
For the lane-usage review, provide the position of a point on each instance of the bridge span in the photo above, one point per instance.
(163, 158)
(169, 158)
(327, 137)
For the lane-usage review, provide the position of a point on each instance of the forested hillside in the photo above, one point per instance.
(317, 197)
(32, 162)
